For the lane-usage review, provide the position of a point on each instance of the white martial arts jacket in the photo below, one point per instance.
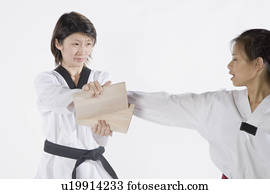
(217, 116)
(60, 127)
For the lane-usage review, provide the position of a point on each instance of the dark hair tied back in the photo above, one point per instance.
(256, 43)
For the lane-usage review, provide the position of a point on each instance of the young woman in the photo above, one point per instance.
(235, 123)
(71, 150)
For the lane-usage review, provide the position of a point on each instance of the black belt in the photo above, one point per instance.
(80, 155)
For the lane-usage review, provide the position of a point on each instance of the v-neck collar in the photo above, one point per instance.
(261, 107)
(255, 118)
(84, 75)
(243, 105)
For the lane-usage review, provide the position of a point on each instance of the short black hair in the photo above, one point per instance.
(68, 24)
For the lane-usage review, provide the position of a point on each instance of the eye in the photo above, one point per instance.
(75, 44)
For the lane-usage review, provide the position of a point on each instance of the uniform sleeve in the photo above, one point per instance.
(101, 140)
(51, 96)
(101, 77)
(183, 110)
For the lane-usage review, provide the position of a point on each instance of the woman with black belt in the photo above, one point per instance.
(71, 150)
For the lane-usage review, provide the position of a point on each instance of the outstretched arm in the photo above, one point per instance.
(182, 110)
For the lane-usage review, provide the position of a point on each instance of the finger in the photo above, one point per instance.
(107, 84)
(107, 125)
(104, 127)
(102, 122)
(85, 88)
(94, 129)
(111, 133)
(98, 86)
(93, 88)
(91, 91)
(99, 129)
(108, 131)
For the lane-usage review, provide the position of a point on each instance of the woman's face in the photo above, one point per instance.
(75, 49)
(243, 70)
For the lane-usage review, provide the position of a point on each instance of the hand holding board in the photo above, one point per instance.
(111, 106)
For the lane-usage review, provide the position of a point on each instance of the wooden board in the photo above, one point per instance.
(111, 106)
(119, 121)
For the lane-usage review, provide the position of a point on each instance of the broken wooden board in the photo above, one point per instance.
(119, 121)
(111, 106)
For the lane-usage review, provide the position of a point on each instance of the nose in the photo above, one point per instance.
(229, 66)
(83, 50)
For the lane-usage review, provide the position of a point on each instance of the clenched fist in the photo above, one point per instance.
(95, 88)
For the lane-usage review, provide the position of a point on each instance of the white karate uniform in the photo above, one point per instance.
(60, 127)
(217, 116)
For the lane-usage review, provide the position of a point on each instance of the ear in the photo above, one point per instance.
(259, 63)
(58, 45)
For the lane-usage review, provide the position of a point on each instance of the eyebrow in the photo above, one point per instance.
(80, 40)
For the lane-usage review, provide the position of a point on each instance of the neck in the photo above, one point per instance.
(258, 89)
(73, 71)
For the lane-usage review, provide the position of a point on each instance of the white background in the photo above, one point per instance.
(153, 45)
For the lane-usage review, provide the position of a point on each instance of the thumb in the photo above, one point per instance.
(107, 84)
(85, 87)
